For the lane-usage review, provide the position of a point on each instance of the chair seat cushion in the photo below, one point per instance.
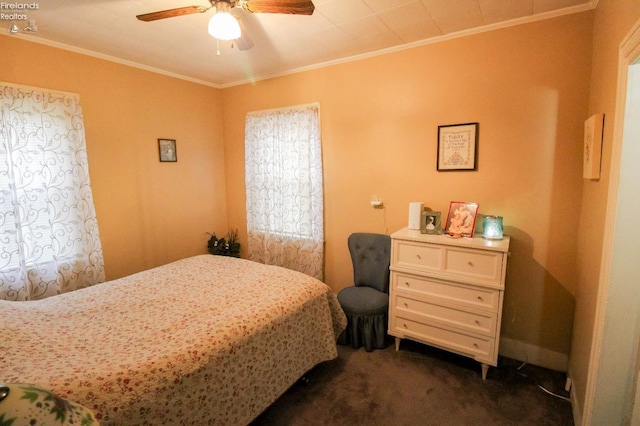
(363, 301)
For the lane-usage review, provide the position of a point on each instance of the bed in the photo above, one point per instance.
(203, 340)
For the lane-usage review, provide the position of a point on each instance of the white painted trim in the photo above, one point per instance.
(533, 354)
(575, 407)
(575, 404)
(41, 89)
(287, 108)
(629, 51)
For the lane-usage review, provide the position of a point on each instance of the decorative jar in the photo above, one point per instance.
(492, 228)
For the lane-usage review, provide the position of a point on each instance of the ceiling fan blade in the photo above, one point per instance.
(244, 42)
(154, 16)
(296, 7)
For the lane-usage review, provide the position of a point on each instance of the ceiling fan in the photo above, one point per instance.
(222, 8)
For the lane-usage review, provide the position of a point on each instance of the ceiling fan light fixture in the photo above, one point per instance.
(224, 26)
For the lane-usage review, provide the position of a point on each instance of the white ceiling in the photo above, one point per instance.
(338, 30)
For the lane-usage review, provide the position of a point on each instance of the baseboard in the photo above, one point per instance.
(575, 407)
(532, 354)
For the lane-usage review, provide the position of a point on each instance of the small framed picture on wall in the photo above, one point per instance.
(458, 147)
(167, 149)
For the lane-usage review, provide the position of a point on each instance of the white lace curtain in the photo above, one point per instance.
(283, 166)
(49, 242)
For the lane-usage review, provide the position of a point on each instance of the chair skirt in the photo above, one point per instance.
(369, 331)
(366, 310)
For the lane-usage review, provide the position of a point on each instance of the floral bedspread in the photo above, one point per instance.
(206, 340)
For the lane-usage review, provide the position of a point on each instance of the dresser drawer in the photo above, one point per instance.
(446, 292)
(474, 264)
(417, 256)
(478, 347)
(484, 323)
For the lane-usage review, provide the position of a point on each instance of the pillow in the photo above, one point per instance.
(24, 404)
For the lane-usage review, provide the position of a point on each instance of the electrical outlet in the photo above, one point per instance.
(375, 201)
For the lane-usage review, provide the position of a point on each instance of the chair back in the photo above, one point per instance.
(370, 255)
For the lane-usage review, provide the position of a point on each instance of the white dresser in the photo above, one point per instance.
(448, 292)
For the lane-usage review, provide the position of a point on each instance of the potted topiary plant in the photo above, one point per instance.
(224, 247)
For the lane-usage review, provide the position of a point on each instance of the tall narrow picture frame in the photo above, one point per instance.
(458, 147)
(592, 146)
(167, 150)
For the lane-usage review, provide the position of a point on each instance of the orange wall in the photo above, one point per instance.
(149, 213)
(613, 21)
(528, 88)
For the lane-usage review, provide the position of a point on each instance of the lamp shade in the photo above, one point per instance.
(224, 26)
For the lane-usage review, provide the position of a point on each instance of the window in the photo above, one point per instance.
(48, 227)
(283, 166)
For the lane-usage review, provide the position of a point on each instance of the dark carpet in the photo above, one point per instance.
(420, 385)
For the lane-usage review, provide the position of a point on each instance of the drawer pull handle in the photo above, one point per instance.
(475, 345)
(407, 284)
(406, 305)
(480, 298)
(470, 263)
(418, 256)
(477, 322)
(405, 325)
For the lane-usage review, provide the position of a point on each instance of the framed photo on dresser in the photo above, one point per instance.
(461, 220)
(430, 223)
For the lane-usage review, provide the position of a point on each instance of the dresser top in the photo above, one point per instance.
(475, 242)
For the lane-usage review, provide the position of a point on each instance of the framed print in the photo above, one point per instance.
(458, 147)
(461, 220)
(430, 223)
(592, 146)
(167, 149)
